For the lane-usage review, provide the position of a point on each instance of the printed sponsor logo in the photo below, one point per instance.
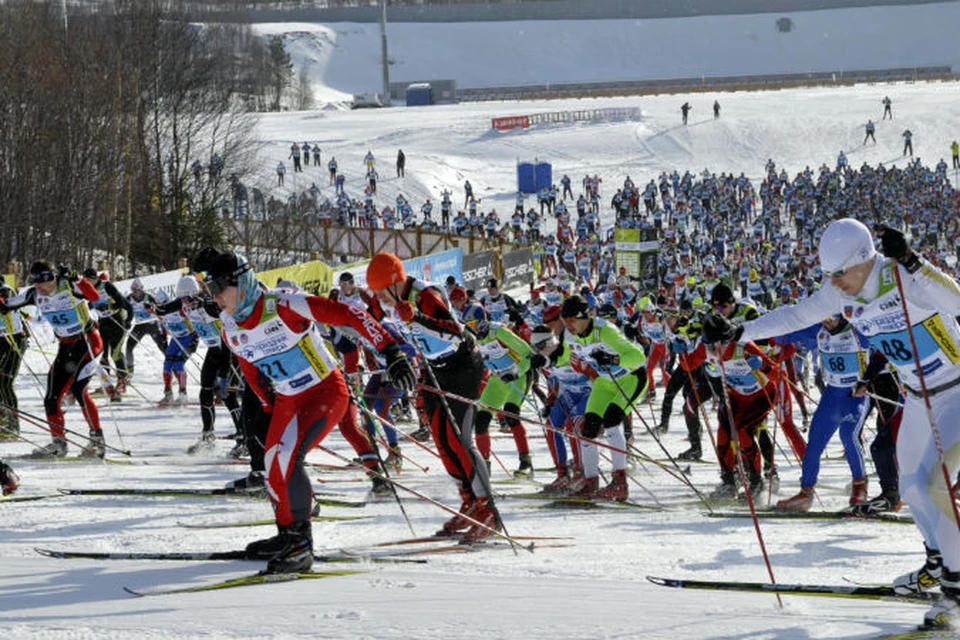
(271, 328)
(890, 304)
(299, 382)
(478, 273)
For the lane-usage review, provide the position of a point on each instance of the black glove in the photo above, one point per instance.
(508, 377)
(3, 307)
(604, 358)
(893, 244)
(716, 328)
(398, 368)
(545, 412)
(67, 273)
(630, 332)
(516, 317)
(537, 361)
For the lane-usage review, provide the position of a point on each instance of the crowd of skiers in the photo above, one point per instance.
(757, 296)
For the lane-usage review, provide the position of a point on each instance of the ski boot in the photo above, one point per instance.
(617, 489)
(923, 579)
(727, 488)
(755, 485)
(182, 399)
(798, 503)
(167, 400)
(56, 449)
(254, 482)
(562, 481)
(239, 450)
(206, 444)
(588, 488)
(422, 434)
(888, 500)
(691, 454)
(9, 480)
(525, 470)
(459, 523)
(487, 519)
(96, 446)
(858, 492)
(946, 612)
(296, 556)
(266, 548)
(394, 460)
(380, 484)
(772, 477)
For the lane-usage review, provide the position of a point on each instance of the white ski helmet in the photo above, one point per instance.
(845, 243)
(187, 287)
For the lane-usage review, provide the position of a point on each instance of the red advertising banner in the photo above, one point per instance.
(505, 124)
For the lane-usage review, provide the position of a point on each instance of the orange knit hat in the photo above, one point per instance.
(384, 270)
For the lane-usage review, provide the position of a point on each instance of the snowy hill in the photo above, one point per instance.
(445, 145)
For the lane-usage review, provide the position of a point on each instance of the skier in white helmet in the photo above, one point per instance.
(863, 287)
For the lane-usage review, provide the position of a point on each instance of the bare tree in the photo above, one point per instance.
(304, 96)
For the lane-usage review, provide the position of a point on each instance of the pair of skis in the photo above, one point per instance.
(853, 591)
(381, 553)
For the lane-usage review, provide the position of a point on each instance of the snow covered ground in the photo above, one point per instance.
(589, 584)
(595, 586)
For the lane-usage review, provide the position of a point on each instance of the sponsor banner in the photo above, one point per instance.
(477, 269)
(517, 269)
(437, 266)
(314, 277)
(639, 251)
(433, 268)
(511, 122)
(166, 282)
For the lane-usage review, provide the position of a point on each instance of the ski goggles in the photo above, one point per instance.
(218, 284)
(43, 276)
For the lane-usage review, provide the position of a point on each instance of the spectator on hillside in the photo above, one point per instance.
(401, 162)
(716, 109)
(955, 152)
(295, 154)
(280, 171)
(685, 111)
(332, 167)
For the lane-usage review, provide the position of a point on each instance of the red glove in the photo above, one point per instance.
(405, 310)
(580, 365)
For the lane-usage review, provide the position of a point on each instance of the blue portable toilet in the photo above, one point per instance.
(544, 177)
(419, 95)
(526, 178)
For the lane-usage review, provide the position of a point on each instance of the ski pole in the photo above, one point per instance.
(46, 426)
(734, 436)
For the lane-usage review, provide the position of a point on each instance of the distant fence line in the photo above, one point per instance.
(703, 83)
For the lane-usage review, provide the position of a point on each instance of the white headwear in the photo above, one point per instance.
(845, 243)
